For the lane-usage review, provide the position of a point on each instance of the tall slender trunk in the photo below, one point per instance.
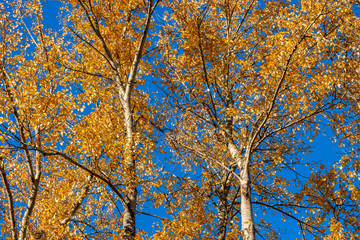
(130, 197)
(223, 209)
(34, 189)
(129, 213)
(224, 191)
(247, 221)
(131, 192)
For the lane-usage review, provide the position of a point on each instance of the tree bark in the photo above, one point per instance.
(10, 199)
(131, 193)
(125, 96)
(223, 209)
(247, 221)
(129, 213)
(35, 188)
(124, 92)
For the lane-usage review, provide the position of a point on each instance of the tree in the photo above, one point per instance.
(247, 84)
(110, 82)
(246, 87)
(107, 143)
(24, 85)
(119, 39)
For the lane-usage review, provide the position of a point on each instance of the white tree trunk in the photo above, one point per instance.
(247, 221)
(131, 193)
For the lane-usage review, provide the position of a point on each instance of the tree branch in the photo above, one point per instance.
(10, 199)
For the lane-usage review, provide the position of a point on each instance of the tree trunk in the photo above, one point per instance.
(130, 166)
(247, 221)
(223, 208)
(131, 193)
(129, 214)
(35, 186)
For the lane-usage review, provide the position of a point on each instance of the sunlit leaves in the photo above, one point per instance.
(259, 76)
(245, 89)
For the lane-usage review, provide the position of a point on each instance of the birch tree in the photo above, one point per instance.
(111, 38)
(97, 148)
(246, 85)
(28, 115)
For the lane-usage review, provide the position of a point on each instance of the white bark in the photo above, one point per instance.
(131, 194)
(247, 221)
(125, 96)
